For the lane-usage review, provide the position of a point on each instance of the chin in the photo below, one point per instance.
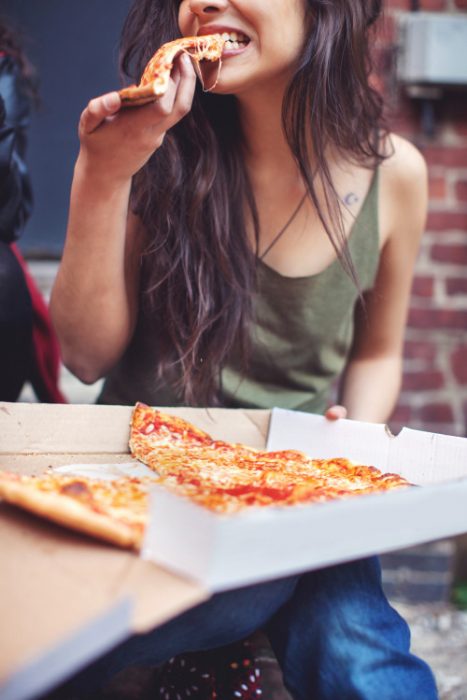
(231, 86)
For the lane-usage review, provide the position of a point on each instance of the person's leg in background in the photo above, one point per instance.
(338, 637)
(16, 318)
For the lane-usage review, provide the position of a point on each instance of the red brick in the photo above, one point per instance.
(437, 413)
(401, 415)
(453, 319)
(423, 381)
(405, 125)
(437, 188)
(456, 254)
(459, 363)
(398, 4)
(420, 350)
(433, 5)
(459, 127)
(456, 285)
(423, 287)
(446, 221)
(386, 31)
(444, 155)
(461, 190)
(461, 4)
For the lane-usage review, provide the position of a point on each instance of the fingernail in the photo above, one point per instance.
(111, 101)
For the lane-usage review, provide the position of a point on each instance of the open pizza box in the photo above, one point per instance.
(65, 599)
(225, 551)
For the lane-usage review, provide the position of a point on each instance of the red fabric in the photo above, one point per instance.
(46, 351)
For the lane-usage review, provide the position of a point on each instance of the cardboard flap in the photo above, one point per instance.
(63, 428)
(433, 458)
(83, 580)
(420, 456)
(157, 594)
(40, 604)
(75, 429)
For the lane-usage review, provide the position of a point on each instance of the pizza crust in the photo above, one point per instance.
(66, 511)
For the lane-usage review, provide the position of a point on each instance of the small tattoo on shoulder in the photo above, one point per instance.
(350, 198)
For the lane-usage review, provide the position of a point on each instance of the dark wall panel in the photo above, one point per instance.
(74, 46)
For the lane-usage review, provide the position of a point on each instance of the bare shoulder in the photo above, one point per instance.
(405, 165)
(404, 190)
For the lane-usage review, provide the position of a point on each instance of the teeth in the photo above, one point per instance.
(234, 37)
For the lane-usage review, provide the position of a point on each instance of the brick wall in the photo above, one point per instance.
(434, 393)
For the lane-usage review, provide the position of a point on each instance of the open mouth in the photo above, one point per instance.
(235, 40)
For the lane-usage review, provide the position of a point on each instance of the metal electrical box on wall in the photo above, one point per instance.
(433, 48)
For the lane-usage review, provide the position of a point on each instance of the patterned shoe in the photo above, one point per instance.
(227, 673)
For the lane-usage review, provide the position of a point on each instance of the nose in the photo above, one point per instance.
(206, 7)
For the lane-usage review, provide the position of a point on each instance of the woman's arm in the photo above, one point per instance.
(94, 299)
(371, 383)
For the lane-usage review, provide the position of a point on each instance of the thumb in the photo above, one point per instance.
(335, 412)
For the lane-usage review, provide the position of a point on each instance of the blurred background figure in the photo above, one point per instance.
(28, 349)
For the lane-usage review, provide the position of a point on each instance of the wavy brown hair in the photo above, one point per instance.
(191, 195)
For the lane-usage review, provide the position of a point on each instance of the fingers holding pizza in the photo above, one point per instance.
(118, 142)
(123, 140)
(335, 412)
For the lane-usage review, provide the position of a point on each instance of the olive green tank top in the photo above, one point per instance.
(300, 339)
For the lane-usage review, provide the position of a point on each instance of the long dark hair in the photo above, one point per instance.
(201, 269)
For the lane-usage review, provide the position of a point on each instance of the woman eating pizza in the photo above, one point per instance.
(251, 246)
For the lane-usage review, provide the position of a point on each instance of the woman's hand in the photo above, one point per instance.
(116, 143)
(335, 412)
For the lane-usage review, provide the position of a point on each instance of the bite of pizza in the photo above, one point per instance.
(155, 79)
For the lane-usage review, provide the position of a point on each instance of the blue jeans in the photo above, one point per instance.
(334, 633)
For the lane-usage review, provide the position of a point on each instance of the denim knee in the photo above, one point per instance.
(338, 637)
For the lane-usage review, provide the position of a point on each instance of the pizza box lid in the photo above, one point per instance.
(227, 551)
(65, 598)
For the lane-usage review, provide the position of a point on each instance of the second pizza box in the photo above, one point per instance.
(224, 551)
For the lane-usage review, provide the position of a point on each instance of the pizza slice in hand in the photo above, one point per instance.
(155, 79)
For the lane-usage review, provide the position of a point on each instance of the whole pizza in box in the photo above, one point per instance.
(222, 476)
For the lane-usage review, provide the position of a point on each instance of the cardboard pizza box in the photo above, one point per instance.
(65, 598)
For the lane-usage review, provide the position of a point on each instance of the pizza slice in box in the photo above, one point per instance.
(228, 477)
(115, 511)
